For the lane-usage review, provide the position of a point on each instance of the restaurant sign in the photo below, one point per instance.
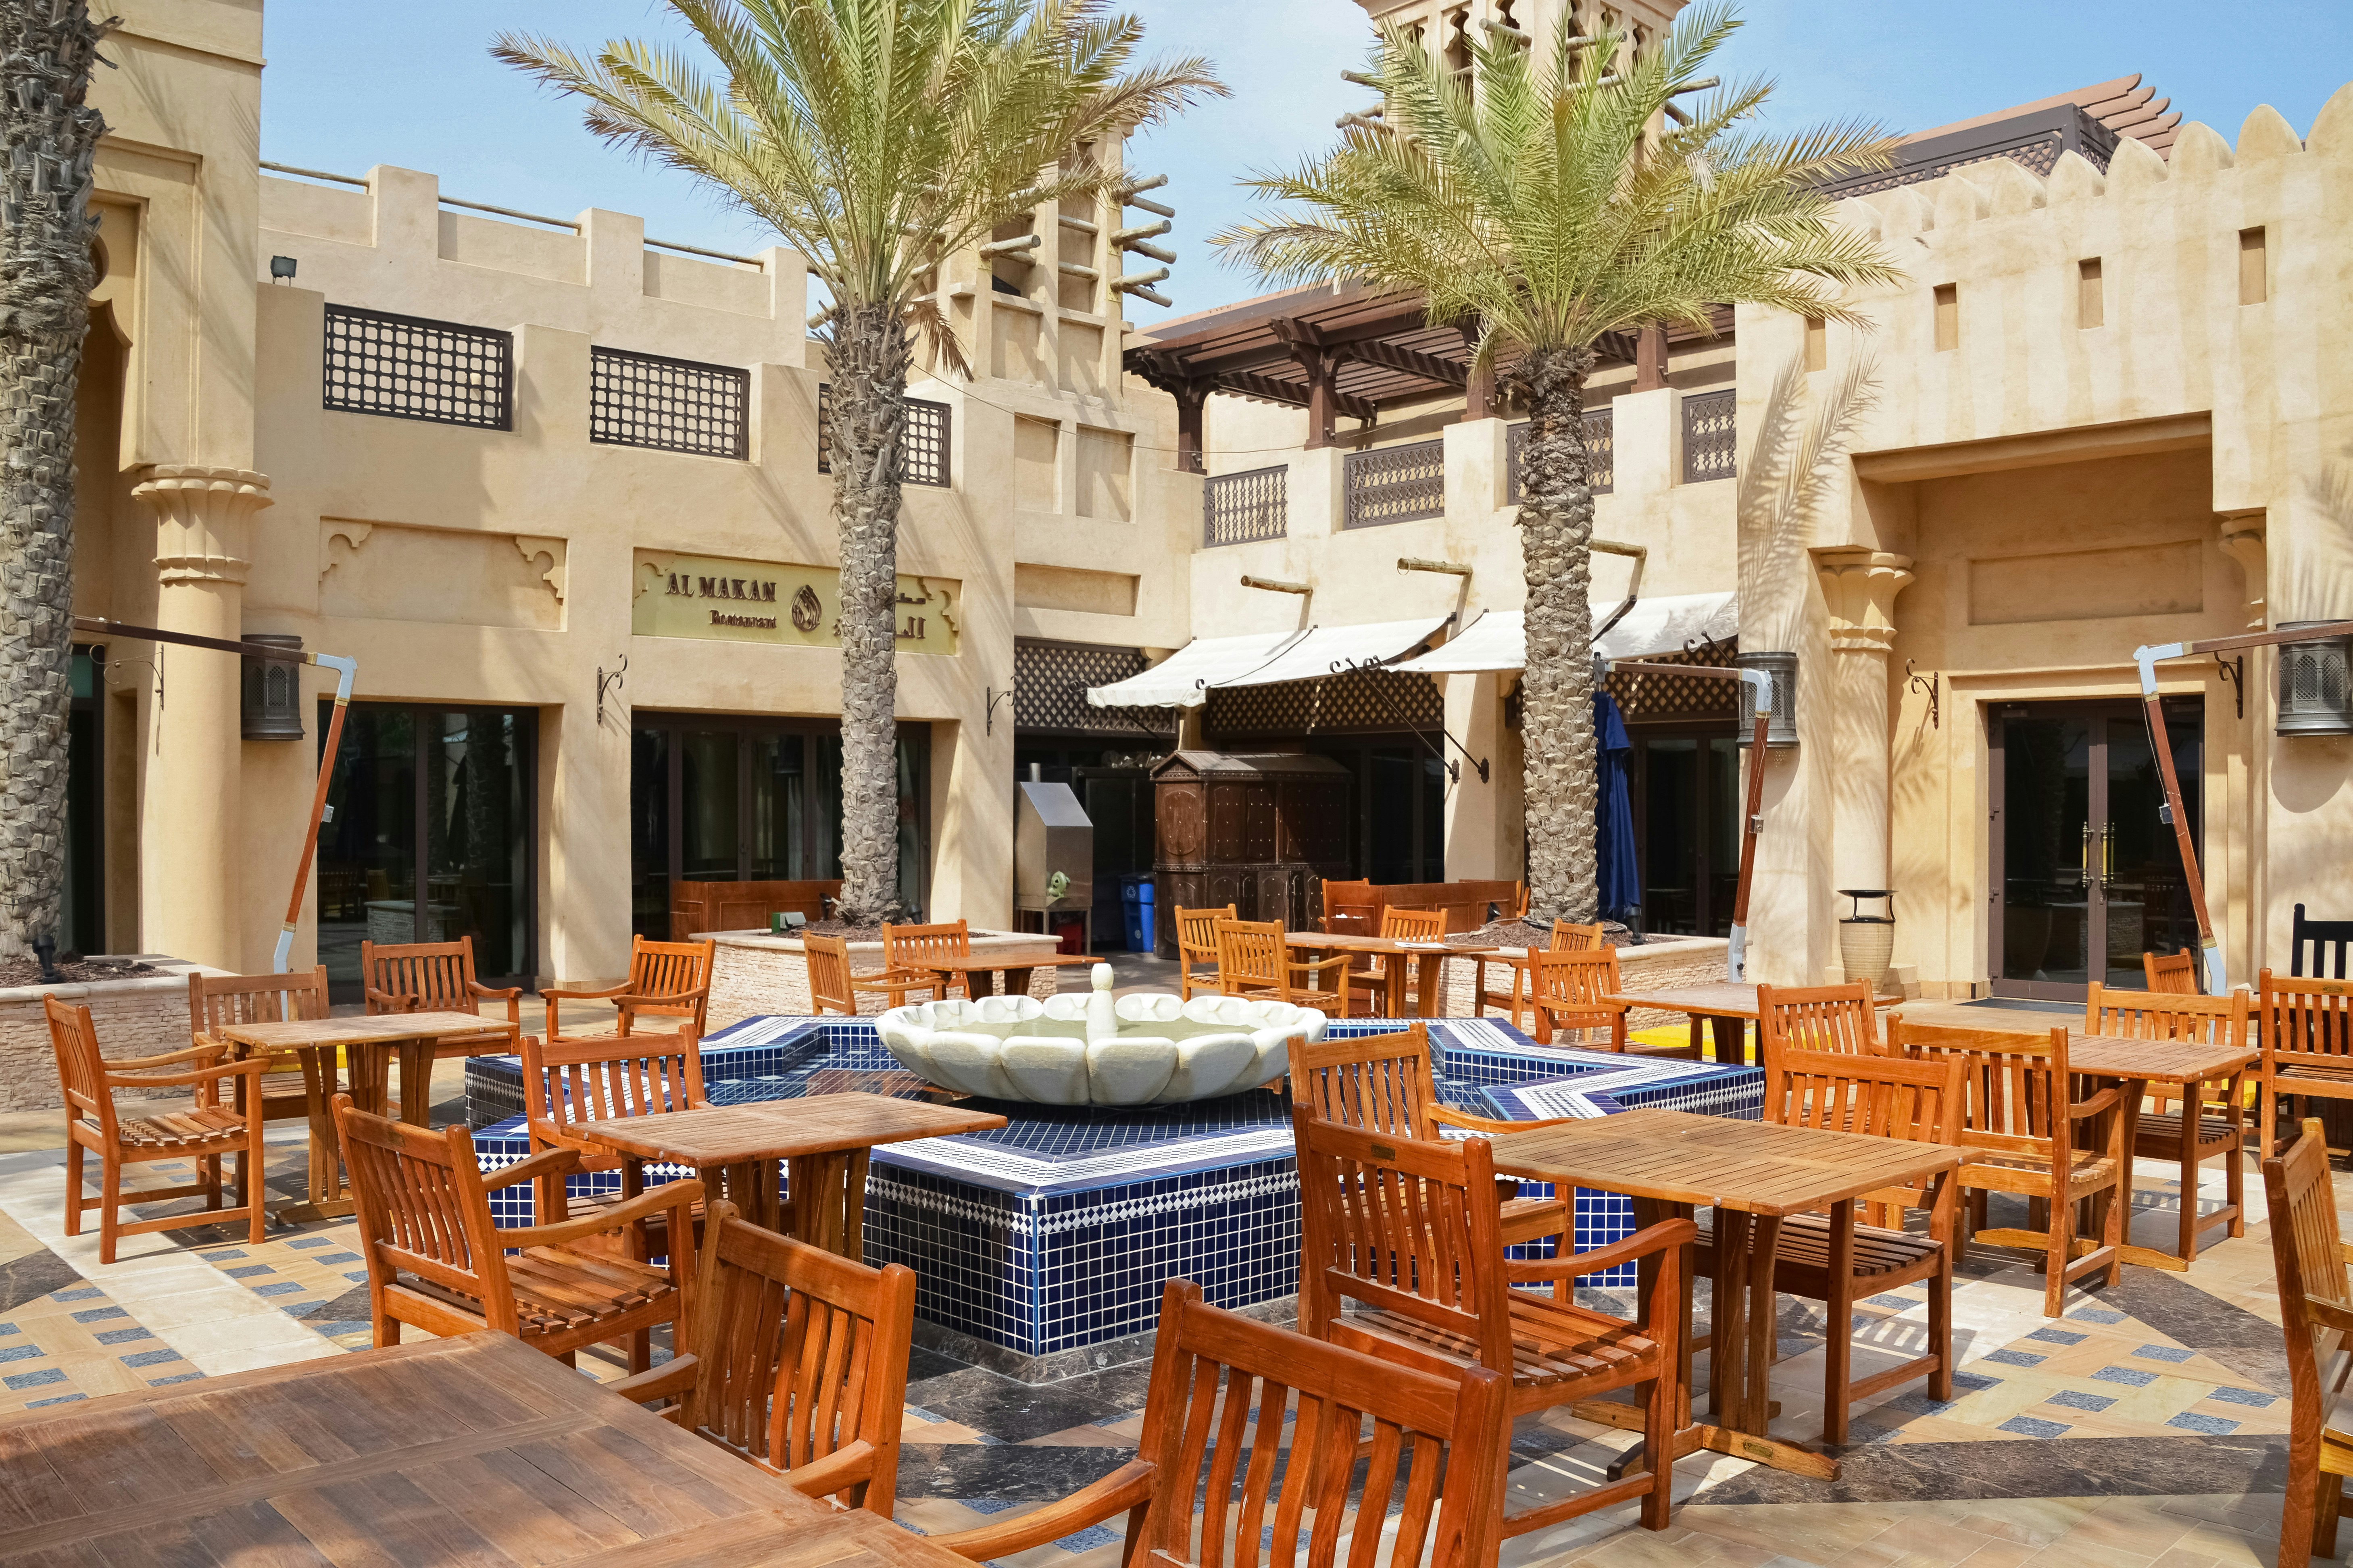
(763, 602)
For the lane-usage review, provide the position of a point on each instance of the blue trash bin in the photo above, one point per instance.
(1140, 930)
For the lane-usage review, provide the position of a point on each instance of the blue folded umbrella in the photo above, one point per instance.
(1620, 879)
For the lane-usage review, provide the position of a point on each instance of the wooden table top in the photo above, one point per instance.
(1723, 999)
(1354, 942)
(2103, 1055)
(1759, 1167)
(361, 1029)
(468, 1449)
(782, 1128)
(982, 963)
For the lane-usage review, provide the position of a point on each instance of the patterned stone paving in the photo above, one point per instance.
(2143, 1427)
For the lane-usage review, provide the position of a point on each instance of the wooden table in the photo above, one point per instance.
(1753, 1174)
(2180, 1064)
(825, 1137)
(371, 1042)
(1726, 1006)
(1429, 956)
(473, 1449)
(1014, 970)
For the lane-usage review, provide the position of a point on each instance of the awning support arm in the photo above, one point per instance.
(1454, 769)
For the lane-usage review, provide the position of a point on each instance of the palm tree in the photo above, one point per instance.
(51, 135)
(1551, 203)
(876, 137)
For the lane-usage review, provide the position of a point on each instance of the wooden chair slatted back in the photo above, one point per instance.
(1413, 925)
(1380, 1083)
(2305, 1022)
(2308, 1259)
(2172, 973)
(81, 1069)
(598, 1078)
(829, 973)
(677, 970)
(434, 976)
(1196, 932)
(1914, 1100)
(1570, 938)
(1570, 982)
(2330, 943)
(906, 946)
(218, 1002)
(1252, 951)
(424, 1209)
(1410, 1225)
(2016, 1085)
(1818, 1018)
(1353, 907)
(2156, 1014)
(803, 1352)
(1221, 1389)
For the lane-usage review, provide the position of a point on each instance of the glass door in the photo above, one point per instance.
(2087, 872)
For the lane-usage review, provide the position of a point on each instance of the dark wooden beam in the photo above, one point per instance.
(1292, 394)
(1651, 358)
(1412, 361)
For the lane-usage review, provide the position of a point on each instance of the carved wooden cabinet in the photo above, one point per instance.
(1258, 832)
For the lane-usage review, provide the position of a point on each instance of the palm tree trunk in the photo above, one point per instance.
(869, 355)
(1556, 691)
(51, 135)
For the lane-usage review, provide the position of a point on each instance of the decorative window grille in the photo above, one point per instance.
(1238, 508)
(410, 368)
(923, 440)
(1600, 454)
(671, 405)
(1395, 484)
(1050, 689)
(1711, 437)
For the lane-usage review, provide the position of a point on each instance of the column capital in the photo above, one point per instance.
(201, 518)
(1859, 586)
(2243, 539)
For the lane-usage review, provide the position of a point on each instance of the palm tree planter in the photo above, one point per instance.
(878, 138)
(1547, 203)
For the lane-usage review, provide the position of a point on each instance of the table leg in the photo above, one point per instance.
(1764, 1251)
(2128, 1105)
(1729, 1327)
(827, 1201)
(1393, 972)
(416, 1082)
(1698, 1035)
(1430, 982)
(1016, 981)
(1731, 1037)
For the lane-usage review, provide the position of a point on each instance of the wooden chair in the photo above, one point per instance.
(204, 1132)
(1880, 1097)
(2308, 1040)
(794, 1359)
(2025, 1135)
(434, 1260)
(293, 1083)
(2309, 1256)
(1383, 1083)
(1572, 990)
(1253, 961)
(834, 989)
(1411, 1230)
(2219, 1128)
(1196, 943)
(667, 980)
(2172, 973)
(1213, 1419)
(1566, 938)
(1351, 909)
(905, 947)
(2330, 943)
(568, 1083)
(1404, 925)
(438, 977)
(1818, 1018)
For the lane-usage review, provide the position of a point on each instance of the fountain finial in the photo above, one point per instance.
(1103, 1018)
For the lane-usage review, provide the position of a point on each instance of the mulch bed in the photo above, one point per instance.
(1536, 933)
(847, 932)
(73, 969)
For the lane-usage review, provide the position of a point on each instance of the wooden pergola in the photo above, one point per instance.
(1352, 350)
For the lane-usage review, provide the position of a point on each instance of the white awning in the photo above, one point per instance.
(1498, 640)
(1177, 680)
(1316, 653)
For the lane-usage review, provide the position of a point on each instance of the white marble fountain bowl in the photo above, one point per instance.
(1095, 1049)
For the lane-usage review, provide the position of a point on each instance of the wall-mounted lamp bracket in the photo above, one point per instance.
(1454, 768)
(1927, 683)
(988, 726)
(612, 681)
(2234, 671)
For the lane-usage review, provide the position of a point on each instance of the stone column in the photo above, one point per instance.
(1859, 586)
(189, 831)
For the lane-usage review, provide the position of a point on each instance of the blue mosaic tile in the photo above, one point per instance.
(2076, 1399)
(2015, 1358)
(2247, 1396)
(2058, 1337)
(2211, 1425)
(2164, 1352)
(151, 1358)
(99, 1314)
(2096, 1315)
(41, 1379)
(2130, 1376)
(124, 1336)
(2027, 1427)
(19, 1352)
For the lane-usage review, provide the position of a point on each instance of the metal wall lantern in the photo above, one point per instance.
(2315, 684)
(1781, 724)
(271, 707)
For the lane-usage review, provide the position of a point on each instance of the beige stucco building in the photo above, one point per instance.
(555, 486)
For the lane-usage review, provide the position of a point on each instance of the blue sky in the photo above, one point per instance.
(412, 84)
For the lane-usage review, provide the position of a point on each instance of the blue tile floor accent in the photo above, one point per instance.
(2247, 1396)
(2130, 1376)
(123, 1336)
(176, 1377)
(151, 1358)
(19, 1352)
(99, 1314)
(2027, 1427)
(2015, 1358)
(62, 1399)
(84, 1293)
(2076, 1399)
(40, 1379)
(2164, 1352)
(2211, 1425)
(2058, 1337)
(2096, 1315)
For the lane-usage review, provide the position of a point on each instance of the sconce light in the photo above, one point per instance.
(271, 702)
(282, 270)
(2316, 685)
(1781, 724)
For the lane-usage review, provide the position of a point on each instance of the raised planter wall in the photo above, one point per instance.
(141, 1015)
(1653, 966)
(754, 975)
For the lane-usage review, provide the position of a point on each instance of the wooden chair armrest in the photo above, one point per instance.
(392, 1001)
(2107, 1099)
(569, 995)
(2344, 1252)
(1491, 1125)
(207, 1049)
(844, 1468)
(1599, 1006)
(670, 1196)
(1125, 1487)
(2335, 1314)
(674, 1379)
(894, 979)
(680, 999)
(1337, 961)
(251, 1066)
(1642, 1244)
(546, 1163)
(494, 993)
